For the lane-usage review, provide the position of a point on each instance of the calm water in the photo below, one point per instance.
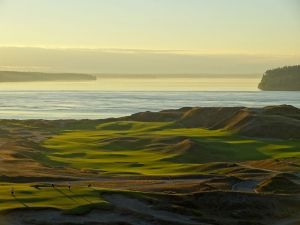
(156, 84)
(102, 104)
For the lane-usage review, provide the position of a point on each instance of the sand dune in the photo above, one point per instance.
(270, 122)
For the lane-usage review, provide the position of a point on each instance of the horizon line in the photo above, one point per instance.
(153, 51)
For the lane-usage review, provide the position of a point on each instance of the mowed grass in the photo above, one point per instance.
(158, 148)
(75, 201)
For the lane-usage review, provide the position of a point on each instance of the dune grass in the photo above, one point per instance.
(158, 148)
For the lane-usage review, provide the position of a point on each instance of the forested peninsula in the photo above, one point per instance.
(281, 79)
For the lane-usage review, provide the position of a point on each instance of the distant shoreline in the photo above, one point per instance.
(178, 76)
(16, 76)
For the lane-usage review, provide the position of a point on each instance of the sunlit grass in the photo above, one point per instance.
(136, 148)
(61, 198)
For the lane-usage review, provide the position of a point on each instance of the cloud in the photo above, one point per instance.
(136, 61)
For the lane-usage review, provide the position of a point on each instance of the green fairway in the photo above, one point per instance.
(76, 200)
(152, 148)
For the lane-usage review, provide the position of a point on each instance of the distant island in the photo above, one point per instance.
(14, 76)
(281, 79)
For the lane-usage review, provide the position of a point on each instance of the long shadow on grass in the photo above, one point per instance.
(88, 201)
(65, 195)
(21, 202)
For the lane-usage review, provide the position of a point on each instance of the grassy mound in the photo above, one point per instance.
(279, 184)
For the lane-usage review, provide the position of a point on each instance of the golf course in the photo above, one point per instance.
(174, 166)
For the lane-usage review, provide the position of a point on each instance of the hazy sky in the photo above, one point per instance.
(252, 29)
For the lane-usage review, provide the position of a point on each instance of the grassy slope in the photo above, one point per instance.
(149, 148)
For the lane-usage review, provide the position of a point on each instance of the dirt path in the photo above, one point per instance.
(140, 207)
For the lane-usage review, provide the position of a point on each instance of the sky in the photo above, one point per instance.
(188, 35)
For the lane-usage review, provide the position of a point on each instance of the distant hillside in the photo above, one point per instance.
(13, 76)
(281, 79)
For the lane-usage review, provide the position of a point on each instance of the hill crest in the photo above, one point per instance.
(282, 122)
